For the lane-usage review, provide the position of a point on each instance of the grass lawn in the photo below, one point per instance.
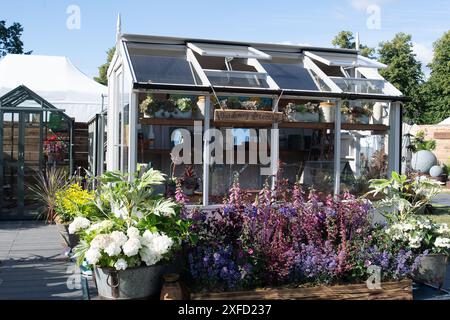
(441, 214)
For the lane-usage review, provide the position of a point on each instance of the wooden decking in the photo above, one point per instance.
(32, 264)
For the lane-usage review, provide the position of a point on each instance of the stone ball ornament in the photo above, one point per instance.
(423, 160)
(436, 171)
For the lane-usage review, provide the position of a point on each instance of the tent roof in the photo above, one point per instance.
(445, 122)
(57, 80)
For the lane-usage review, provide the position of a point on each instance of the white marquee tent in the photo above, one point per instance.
(55, 79)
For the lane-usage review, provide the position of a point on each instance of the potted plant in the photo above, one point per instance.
(302, 112)
(356, 114)
(131, 244)
(184, 108)
(54, 149)
(189, 181)
(149, 107)
(71, 202)
(423, 235)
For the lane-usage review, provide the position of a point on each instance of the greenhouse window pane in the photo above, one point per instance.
(237, 79)
(353, 85)
(291, 76)
(216, 50)
(344, 60)
(162, 69)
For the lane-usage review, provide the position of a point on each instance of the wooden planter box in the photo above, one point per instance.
(396, 290)
(231, 116)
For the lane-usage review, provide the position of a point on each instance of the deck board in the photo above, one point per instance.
(32, 264)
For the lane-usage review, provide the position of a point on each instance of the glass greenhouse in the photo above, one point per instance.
(329, 118)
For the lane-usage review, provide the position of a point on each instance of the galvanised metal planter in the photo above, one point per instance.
(69, 240)
(432, 269)
(132, 283)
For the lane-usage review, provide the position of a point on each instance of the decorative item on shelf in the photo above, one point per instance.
(172, 288)
(380, 112)
(302, 112)
(356, 114)
(189, 181)
(327, 111)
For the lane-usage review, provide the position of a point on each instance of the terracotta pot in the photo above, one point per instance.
(172, 288)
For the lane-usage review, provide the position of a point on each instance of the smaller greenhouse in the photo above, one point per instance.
(328, 118)
(33, 135)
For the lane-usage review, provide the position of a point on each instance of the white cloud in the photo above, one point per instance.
(424, 54)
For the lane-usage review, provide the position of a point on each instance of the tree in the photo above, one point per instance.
(10, 39)
(103, 69)
(437, 88)
(345, 40)
(404, 71)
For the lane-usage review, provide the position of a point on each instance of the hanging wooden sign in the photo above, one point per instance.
(253, 116)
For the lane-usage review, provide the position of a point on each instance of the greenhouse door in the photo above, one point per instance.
(20, 159)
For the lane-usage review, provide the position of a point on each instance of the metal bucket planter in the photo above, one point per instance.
(432, 269)
(304, 117)
(69, 240)
(182, 115)
(132, 283)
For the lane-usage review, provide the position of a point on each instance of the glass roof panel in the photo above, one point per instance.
(344, 59)
(217, 50)
(162, 69)
(237, 79)
(291, 76)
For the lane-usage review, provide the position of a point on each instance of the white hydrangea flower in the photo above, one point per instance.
(443, 228)
(442, 242)
(161, 244)
(131, 247)
(79, 223)
(414, 242)
(113, 249)
(149, 257)
(92, 256)
(119, 237)
(133, 232)
(101, 241)
(105, 224)
(121, 264)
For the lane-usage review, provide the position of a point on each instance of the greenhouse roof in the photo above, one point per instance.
(201, 65)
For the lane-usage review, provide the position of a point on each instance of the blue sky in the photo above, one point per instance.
(283, 21)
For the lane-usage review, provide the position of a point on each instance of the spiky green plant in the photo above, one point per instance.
(48, 183)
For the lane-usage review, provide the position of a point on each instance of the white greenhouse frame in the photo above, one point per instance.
(257, 54)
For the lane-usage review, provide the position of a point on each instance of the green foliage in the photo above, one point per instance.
(10, 41)
(74, 201)
(419, 142)
(404, 72)
(345, 40)
(403, 196)
(437, 88)
(103, 69)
